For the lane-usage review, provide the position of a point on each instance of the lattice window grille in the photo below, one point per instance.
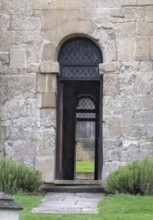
(86, 104)
(86, 109)
(79, 59)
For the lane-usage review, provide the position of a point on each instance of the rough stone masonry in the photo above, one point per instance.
(31, 34)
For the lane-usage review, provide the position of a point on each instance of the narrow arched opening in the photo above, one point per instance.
(79, 107)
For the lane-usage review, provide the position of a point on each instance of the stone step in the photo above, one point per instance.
(74, 189)
(77, 182)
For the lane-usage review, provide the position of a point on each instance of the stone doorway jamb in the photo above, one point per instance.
(46, 104)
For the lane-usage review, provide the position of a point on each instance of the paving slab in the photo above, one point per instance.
(77, 203)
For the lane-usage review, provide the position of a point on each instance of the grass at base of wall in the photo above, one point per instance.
(84, 166)
(119, 207)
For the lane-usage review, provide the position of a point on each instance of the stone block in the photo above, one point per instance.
(4, 21)
(53, 18)
(45, 164)
(52, 83)
(146, 146)
(145, 2)
(129, 156)
(23, 129)
(129, 67)
(37, 13)
(125, 30)
(39, 100)
(83, 26)
(146, 66)
(2, 132)
(112, 144)
(124, 2)
(127, 81)
(21, 151)
(48, 118)
(110, 166)
(46, 139)
(8, 213)
(49, 4)
(128, 117)
(149, 14)
(62, 4)
(144, 118)
(134, 131)
(138, 83)
(18, 87)
(127, 102)
(147, 101)
(2, 150)
(111, 84)
(49, 52)
(22, 7)
(49, 67)
(41, 83)
(125, 49)
(27, 36)
(139, 14)
(117, 13)
(13, 108)
(109, 51)
(127, 14)
(101, 18)
(13, 70)
(79, 4)
(112, 155)
(17, 57)
(20, 23)
(31, 107)
(104, 3)
(33, 51)
(112, 127)
(33, 68)
(48, 147)
(150, 132)
(142, 49)
(151, 49)
(130, 145)
(145, 29)
(7, 37)
(48, 100)
(5, 123)
(112, 67)
(6, 7)
(4, 57)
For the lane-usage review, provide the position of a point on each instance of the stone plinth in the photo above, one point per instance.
(9, 210)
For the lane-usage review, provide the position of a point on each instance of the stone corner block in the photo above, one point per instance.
(17, 57)
(49, 67)
(46, 100)
(45, 165)
(108, 68)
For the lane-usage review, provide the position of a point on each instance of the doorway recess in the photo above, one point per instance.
(79, 111)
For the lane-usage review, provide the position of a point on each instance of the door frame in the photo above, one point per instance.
(59, 134)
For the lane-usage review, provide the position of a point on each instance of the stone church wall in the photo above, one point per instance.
(31, 33)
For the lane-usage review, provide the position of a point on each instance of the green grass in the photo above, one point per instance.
(121, 207)
(84, 166)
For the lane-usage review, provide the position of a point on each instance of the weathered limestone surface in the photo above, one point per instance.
(31, 34)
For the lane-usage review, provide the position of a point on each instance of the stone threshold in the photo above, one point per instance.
(78, 182)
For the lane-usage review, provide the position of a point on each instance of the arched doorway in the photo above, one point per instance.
(79, 101)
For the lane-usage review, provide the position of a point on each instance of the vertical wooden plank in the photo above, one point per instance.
(61, 131)
(100, 150)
